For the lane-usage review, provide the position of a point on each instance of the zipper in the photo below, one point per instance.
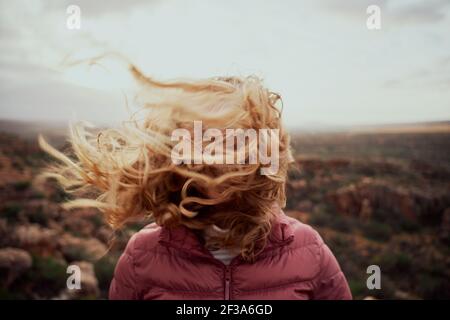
(227, 294)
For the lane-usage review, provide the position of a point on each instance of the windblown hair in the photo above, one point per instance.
(127, 172)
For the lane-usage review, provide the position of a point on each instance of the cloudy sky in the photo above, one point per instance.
(330, 69)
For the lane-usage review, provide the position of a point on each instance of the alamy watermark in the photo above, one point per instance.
(374, 19)
(374, 280)
(227, 146)
(73, 21)
(74, 280)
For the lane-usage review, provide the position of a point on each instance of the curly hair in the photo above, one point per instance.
(127, 172)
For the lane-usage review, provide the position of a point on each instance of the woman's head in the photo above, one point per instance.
(139, 169)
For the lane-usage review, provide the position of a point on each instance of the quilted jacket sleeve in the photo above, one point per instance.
(123, 285)
(330, 283)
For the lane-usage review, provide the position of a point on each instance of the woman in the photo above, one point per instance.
(215, 192)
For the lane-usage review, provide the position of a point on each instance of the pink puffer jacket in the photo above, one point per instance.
(161, 263)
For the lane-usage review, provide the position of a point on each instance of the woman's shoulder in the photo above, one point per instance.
(302, 233)
(313, 253)
(144, 240)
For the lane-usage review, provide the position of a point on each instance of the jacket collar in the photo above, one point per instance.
(184, 239)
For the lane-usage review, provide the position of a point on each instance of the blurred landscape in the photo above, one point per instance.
(377, 195)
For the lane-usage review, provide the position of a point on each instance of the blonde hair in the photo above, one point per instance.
(127, 172)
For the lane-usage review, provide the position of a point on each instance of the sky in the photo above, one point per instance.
(330, 69)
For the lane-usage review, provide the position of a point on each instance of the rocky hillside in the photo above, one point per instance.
(379, 199)
(38, 239)
(375, 206)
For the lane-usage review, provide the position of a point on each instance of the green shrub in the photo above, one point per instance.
(38, 216)
(97, 220)
(6, 294)
(433, 288)
(409, 226)
(104, 271)
(59, 195)
(395, 262)
(320, 219)
(342, 224)
(37, 195)
(22, 185)
(77, 253)
(11, 212)
(49, 268)
(377, 231)
(46, 278)
(339, 243)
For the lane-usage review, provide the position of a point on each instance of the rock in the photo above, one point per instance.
(42, 210)
(78, 226)
(369, 196)
(403, 295)
(73, 248)
(34, 236)
(14, 262)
